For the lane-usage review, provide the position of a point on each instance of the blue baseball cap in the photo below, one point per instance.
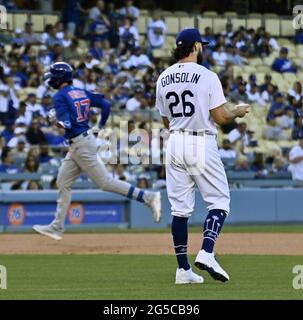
(189, 36)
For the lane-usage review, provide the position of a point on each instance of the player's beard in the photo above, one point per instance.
(199, 57)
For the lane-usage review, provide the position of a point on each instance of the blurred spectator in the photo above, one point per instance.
(268, 94)
(34, 134)
(156, 30)
(18, 133)
(209, 37)
(234, 57)
(72, 52)
(226, 150)
(142, 183)
(267, 82)
(296, 160)
(121, 173)
(60, 30)
(138, 60)
(239, 95)
(277, 109)
(287, 120)
(279, 165)
(33, 107)
(252, 80)
(120, 96)
(44, 156)
(258, 165)
(44, 56)
(114, 18)
(228, 33)
(7, 165)
(254, 95)
(272, 131)
(135, 102)
(99, 29)
(72, 15)
(238, 134)
(34, 185)
(220, 56)
(29, 36)
(90, 61)
(96, 11)
(298, 128)
(31, 164)
(19, 154)
(46, 103)
(283, 64)
(242, 163)
(18, 77)
(129, 35)
(52, 39)
(130, 11)
(296, 92)
(96, 49)
(2, 144)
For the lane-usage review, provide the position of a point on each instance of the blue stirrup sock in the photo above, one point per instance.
(180, 236)
(136, 194)
(212, 227)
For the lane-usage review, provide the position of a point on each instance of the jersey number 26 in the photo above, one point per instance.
(188, 107)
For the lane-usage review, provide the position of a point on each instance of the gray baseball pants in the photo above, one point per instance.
(82, 156)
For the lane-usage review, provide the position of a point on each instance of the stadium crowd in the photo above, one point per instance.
(109, 56)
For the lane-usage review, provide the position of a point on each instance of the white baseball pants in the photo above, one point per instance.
(195, 161)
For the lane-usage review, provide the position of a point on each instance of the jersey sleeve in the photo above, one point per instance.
(62, 112)
(216, 94)
(159, 103)
(97, 100)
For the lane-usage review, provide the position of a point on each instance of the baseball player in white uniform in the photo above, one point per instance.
(190, 100)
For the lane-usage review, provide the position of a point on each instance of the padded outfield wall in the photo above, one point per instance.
(91, 209)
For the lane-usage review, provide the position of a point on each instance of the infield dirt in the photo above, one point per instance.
(150, 243)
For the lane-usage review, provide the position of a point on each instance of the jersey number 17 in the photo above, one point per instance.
(82, 108)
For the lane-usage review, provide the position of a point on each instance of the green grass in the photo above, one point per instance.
(260, 228)
(109, 277)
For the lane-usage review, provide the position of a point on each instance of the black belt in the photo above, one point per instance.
(84, 134)
(193, 132)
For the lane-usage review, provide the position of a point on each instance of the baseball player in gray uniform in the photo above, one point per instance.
(190, 100)
(71, 106)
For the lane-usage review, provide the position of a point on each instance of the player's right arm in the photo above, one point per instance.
(62, 112)
(220, 110)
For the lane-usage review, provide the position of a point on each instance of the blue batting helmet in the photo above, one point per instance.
(59, 72)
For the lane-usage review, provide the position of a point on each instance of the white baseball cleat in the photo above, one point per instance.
(206, 261)
(187, 276)
(49, 231)
(155, 205)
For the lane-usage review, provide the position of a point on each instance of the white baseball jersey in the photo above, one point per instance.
(186, 92)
